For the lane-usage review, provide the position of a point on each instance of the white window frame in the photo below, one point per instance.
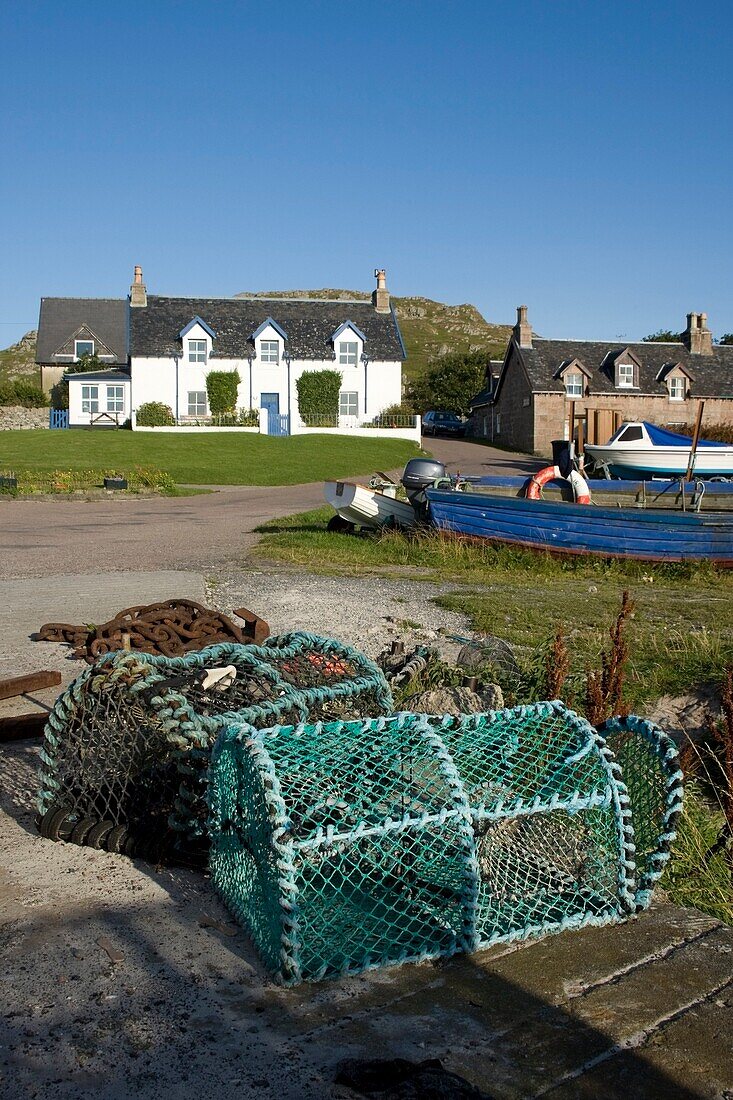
(270, 352)
(197, 407)
(89, 398)
(676, 388)
(77, 353)
(115, 399)
(574, 388)
(198, 353)
(347, 399)
(625, 380)
(347, 356)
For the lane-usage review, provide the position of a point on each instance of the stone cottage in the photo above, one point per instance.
(547, 389)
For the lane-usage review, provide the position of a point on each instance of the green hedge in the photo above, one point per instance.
(19, 391)
(221, 389)
(155, 414)
(318, 394)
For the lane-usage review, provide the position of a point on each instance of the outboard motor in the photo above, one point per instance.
(417, 476)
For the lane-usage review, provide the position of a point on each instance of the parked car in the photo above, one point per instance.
(441, 422)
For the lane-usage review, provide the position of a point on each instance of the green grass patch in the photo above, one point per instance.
(694, 877)
(681, 634)
(204, 458)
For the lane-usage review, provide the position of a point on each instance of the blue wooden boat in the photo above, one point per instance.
(653, 534)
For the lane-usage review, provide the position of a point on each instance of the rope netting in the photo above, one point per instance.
(346, 845)
(127, 746)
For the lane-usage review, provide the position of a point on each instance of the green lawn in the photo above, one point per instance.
(204, 458)
(681, 634)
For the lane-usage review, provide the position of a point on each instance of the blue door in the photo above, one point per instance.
(277, 424)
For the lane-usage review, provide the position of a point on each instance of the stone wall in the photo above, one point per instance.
(13, 417)
(552, 413)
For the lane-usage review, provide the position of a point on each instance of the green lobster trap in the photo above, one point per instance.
(127, 746)
(345, 846)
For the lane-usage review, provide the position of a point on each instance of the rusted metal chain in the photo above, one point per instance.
(171, 628)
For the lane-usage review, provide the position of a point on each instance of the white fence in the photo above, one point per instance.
(389, 428)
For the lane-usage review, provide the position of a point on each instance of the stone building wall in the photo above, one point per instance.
(513, 414)
(14, 417)
(552, 413)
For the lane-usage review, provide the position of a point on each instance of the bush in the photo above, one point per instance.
(60, 395)
(717, 433)
(221, 389)
(450, 382)
(318, 394)
(19, 391)
(155, 414)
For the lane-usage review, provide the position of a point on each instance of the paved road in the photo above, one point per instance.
(38, 538)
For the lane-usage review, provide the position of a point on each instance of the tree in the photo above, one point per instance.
(726, 338)
(450, 382)
(86, 364)
(664, 336)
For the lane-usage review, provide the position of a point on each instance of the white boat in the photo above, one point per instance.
(640, 450)
(359, 506)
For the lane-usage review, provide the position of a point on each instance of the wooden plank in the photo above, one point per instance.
(20, 727)
(21, 685)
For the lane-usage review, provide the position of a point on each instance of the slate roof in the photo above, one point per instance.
(711, 375)
(309, 324)
(60, 318)
(99, 376)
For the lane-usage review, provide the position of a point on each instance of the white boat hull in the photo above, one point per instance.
(366, 507)
(628, 460)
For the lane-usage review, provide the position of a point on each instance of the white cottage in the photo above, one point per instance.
(270, 342)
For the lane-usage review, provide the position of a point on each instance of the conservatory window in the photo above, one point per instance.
(115, 399)
(90, 399)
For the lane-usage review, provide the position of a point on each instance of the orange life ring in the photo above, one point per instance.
(581, 489)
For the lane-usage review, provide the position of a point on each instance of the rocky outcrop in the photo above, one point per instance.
(14, 417)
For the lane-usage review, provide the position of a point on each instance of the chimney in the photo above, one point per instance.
(523, 329)
(138, 293)
(380, 296)
(697, 335)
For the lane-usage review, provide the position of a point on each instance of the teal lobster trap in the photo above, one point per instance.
(343, 846)
(127, 745)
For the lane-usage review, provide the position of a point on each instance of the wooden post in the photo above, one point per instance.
(581, 438)
(695, 439)
(571, 415)
(19, 727)
(21, 685)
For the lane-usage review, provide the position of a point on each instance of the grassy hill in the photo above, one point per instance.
(18, 361)
(430, 329)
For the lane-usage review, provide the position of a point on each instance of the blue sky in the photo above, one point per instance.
(573, 156)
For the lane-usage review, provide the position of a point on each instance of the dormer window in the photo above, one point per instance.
(625, 375)
(676, 389)
(197, 351)
(269, 351)
(348, 353)
(83, 347)
(574, 385)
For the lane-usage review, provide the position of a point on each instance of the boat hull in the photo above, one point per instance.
(631, 463)
(366, 507)
(584, 529)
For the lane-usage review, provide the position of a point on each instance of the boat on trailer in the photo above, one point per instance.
(669, 522)
(642, 451)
